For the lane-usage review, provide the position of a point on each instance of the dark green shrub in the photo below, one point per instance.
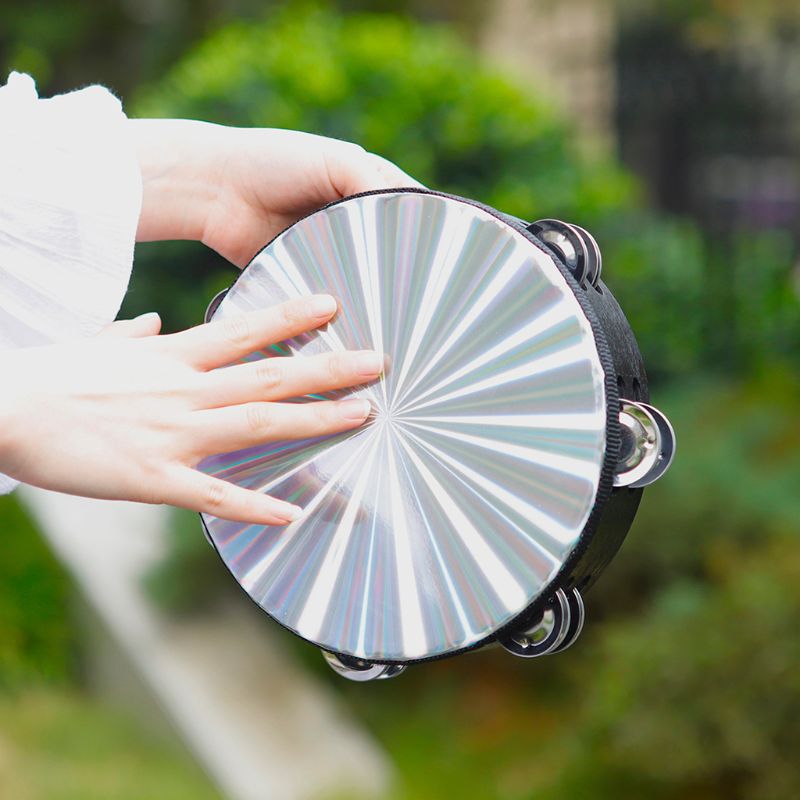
(698, 696)
(413, 93)
(36, 640)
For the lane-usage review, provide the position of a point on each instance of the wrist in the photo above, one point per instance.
(181, 162)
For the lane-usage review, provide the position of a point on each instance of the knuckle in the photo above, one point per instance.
(337, 367)
(293, 313)
(158, 488)
(354, 148)
(341, 149)
(236, 330)
(259, 420)
(325, 416)
(268, 375)
(215, 494)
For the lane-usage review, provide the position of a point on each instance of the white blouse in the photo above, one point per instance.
(70, 197)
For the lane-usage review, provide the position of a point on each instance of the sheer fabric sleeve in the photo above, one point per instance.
(70, 197)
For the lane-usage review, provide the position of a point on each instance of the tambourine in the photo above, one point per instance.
(504, 459)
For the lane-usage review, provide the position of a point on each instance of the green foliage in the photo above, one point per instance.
(191, 578)
(178, 279)
(655, 267)
(57, 744)
(413, 93)
(695, 304)
(700, 695)
(35, 634)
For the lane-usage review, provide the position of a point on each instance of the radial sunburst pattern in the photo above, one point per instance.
(451, 510)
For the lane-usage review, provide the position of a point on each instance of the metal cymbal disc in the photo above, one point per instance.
(577, 616)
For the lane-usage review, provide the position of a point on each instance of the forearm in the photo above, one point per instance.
(182, 163)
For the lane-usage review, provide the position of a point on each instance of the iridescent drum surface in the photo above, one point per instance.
(477, 484)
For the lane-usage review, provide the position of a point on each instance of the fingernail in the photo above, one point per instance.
(289, 512)
(354, 410)
(368, 362)
(149, 315)
(322, 306)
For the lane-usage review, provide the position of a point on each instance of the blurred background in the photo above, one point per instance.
(669, 129)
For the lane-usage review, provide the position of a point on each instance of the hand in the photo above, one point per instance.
(128, 414)
(236, 188)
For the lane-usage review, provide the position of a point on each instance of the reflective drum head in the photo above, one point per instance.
(481, 474)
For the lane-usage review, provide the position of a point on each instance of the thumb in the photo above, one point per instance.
(351, 170)
(394, 177)
(144, 325)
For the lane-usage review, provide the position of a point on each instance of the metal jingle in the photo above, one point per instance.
(546, 635)
(214, 304)
(567, 242)
(391, 671)
(594, 264)
(648, 445)
(577, 616)
(355, 669)
(667, 449)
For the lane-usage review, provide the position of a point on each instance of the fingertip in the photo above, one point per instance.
(276, 513)
(322, 306)
(392, 175)
(354, 409)
(148, 324)
(288, 512)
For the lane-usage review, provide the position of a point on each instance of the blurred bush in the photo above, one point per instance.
(190, 579)
(56, 741)
(35, 631)
(413, 93)
(699, 695)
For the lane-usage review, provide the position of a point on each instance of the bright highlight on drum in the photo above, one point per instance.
(505, 458)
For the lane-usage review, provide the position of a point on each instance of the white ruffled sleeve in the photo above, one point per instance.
(70, 197)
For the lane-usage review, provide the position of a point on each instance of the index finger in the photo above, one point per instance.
(220, 342)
